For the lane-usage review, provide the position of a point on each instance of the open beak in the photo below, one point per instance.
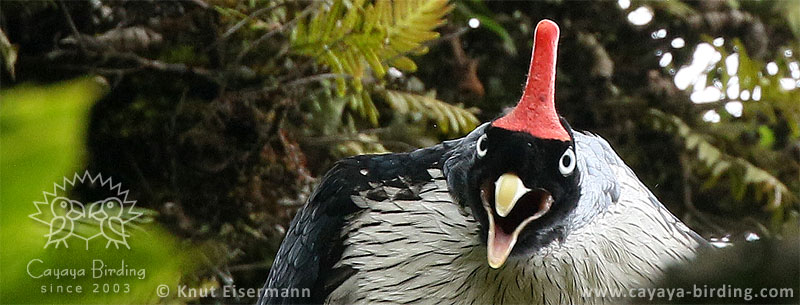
(505, 222)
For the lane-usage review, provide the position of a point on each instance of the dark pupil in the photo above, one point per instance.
(483, 145)
(566, 160)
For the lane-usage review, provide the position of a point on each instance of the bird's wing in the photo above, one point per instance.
(117, 225)
(110, 228)
(600, 184)
(313, 243)
(57, 225)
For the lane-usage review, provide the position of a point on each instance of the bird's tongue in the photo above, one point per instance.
(499, 247)
(499, 244)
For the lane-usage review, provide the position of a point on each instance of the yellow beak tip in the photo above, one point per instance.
(496, 265)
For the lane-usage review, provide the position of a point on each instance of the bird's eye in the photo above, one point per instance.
(482, 147)
(567, 163)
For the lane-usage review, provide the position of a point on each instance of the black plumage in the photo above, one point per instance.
(313, 243)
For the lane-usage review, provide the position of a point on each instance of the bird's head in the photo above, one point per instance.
(112, 206)
(60, 206)
(63, 206)
(522, 181)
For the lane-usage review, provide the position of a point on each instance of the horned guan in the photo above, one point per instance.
(523, 210)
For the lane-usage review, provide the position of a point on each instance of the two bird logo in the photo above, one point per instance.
(71, 219)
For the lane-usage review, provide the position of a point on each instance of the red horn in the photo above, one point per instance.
(536, 112)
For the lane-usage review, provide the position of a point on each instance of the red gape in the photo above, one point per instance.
(536, 112)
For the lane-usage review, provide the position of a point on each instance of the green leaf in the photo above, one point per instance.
(42, 131)
(500, 31)
(478, 10)
(405, 64)
(740, 172)
(791, 13)
(348, 36)
(767, 137)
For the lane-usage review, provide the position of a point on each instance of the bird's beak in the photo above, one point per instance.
(76, 211)
(508, 190)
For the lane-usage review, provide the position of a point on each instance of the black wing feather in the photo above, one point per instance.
(313, 243)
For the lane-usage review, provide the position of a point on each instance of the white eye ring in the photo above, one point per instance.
(480, 146)
(566, 165)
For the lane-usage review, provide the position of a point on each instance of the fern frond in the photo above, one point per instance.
(360, 144)
(362, 104)
(739, 171)
(450, 119)
(348, 35)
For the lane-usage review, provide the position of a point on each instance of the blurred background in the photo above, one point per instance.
(219, 116)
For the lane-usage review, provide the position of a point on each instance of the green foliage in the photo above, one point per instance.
(347, 36)
(779, 101)
(361, 103)
(353, 37)
(748, 151)
(740, 172)
(675, 8)
(450, 119)
(791, 13)
(750, 72)
(361, 144)
(43, 129)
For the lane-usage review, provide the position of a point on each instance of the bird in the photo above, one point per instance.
(522, 210)
(65, 212)
(108, 213)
